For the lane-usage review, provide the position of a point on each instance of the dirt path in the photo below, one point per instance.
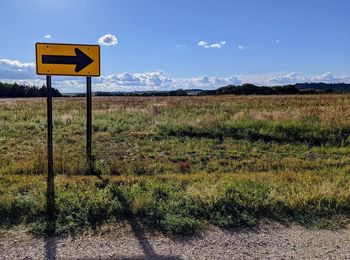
(267, 242)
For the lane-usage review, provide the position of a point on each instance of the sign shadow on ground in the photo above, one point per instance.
(50, 241)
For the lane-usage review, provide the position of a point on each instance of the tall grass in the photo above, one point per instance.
(208, 133)
(177, 204)
(179, 162)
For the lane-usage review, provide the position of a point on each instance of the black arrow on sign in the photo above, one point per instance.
(81, 60)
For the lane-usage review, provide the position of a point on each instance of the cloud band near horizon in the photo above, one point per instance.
(16, 71)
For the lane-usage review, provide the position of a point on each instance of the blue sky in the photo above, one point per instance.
(179, 43)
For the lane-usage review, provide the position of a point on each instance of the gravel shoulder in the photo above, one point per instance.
(124, 241)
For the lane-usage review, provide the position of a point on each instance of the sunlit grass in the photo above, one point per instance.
(179, 162)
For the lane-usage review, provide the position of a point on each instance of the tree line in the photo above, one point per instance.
(245, 89)
(251, 89)
(17, 90)
(12, 90)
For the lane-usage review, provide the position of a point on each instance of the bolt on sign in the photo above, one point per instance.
(67, 59)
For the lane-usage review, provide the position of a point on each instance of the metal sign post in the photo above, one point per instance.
(89, 125)
(50, 193)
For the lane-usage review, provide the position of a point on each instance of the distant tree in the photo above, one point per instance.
(178, 92)
(15, 90)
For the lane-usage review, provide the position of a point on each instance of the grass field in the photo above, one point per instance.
(178, 163)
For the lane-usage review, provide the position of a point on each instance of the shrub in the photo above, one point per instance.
(179, 225)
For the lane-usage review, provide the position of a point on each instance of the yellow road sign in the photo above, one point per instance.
(67, 59)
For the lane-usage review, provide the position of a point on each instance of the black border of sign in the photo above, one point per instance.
(74, 44)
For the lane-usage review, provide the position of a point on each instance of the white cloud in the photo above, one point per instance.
(206, 45)
(14, 69)
(24, 73)
(294, 77)
(215, 45)
(326, 78)
(155, 80)
(205, 82)
(108, 40)
(158, 80)
(241, 47)
(182, 45)
(289, 78)
(274, 79)
(47, 36)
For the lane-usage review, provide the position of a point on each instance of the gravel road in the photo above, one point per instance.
(272, 241)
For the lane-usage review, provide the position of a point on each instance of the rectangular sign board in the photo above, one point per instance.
(67, 59)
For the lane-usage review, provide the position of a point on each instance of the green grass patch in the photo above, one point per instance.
(179, 163)
(176, 204)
